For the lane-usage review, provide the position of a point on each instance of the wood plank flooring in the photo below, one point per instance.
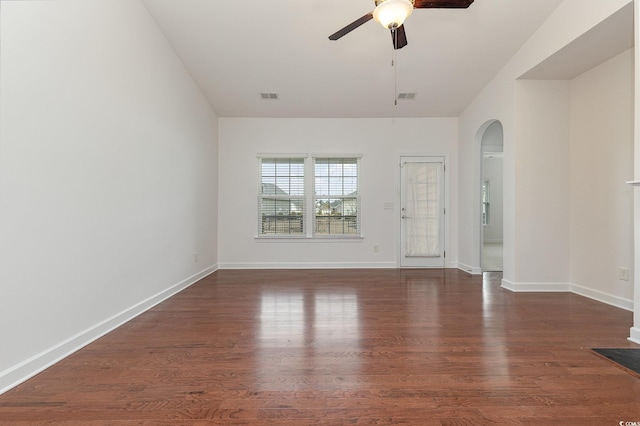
(333, 347)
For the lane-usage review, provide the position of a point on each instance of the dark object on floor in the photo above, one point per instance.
(628, 359)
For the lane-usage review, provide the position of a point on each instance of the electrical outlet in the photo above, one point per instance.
(388, 205)
(195, 257)
(376, 248)
(624, 274)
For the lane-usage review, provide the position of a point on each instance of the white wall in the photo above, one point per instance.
(379, 141)
(635, 329)
(536, 247)
(601, 163)
(107, 176)
(541, 178)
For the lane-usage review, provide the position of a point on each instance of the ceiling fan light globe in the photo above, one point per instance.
(392, 13)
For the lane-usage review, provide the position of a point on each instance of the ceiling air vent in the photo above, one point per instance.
(406, 96)
(269, 96)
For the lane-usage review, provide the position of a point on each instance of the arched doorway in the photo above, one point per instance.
(491, 198)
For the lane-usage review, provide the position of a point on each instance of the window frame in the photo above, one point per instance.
(486, 202)
(337, 197)
(309, 196)
(286, 197)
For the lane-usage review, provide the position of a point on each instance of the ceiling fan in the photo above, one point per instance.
(392, 13)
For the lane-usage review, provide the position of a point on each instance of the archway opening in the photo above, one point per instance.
(491, 198)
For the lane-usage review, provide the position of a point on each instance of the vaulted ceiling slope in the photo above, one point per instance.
(238, 50)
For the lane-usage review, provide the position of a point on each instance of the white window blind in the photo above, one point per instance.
(281, 199)
(336, 198)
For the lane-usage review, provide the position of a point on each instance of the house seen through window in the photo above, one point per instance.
(336, 200)
(283, 197)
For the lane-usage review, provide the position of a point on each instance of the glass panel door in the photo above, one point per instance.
(422, 212)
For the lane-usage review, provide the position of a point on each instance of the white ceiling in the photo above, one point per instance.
(236, 50)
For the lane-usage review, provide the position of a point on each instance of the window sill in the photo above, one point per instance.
(316, 239)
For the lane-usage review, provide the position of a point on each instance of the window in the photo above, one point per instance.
(485, 202)
(336, 199)
(285, 181)
(282, 201)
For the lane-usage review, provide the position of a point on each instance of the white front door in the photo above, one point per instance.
(422, 212)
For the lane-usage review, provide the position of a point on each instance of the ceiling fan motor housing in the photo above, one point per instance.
(392, 13)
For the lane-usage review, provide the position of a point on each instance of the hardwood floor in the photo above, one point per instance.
(334, 347)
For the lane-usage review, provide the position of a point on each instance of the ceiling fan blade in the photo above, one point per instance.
(352, 26)
(443, 4)
(399, 37)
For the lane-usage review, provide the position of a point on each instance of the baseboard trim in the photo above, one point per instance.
(597, 295)
(309, 265)
(635, 335)
(601, 296)
(535, 287)
(23, 371)
(473, 270)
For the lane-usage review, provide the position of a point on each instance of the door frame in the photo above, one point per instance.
(398, 209)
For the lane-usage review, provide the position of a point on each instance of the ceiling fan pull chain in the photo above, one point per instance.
(395, 66)
(395, 85)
